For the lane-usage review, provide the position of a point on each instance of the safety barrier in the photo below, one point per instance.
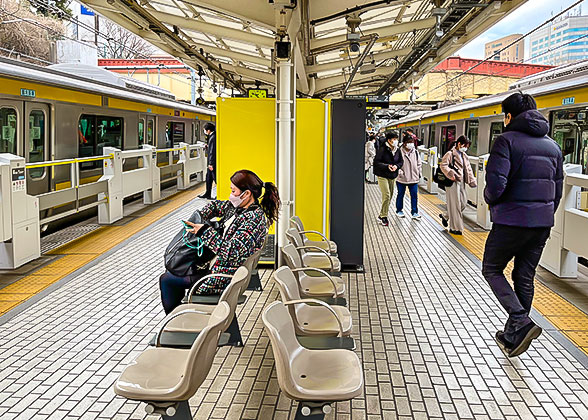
(430, 159)
(21, 215)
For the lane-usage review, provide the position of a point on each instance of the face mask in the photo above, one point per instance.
(394, 143)
(463, 149)
(410, 146)
(236, 201)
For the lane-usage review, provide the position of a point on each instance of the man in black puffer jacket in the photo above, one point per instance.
(524, 180)
(386, 165)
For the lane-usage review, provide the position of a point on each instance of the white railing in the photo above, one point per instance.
(107, 193)
(430, 160)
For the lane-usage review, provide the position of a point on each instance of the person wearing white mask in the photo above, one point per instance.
(409, 176)
(244, 222)
(386, 165)
(456, 166)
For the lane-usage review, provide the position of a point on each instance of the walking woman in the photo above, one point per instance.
(245, 219)
(409, 176)
(456, 166)
(370, 154)
(386, 165)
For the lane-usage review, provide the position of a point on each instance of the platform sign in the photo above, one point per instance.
(568, 101)
(381, 101)
(86, 11)
(18, 179)
(29, 93)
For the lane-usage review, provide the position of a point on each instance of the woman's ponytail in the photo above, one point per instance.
(270, 202)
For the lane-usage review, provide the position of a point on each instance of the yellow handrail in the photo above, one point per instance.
(68, 162)
(170, 150)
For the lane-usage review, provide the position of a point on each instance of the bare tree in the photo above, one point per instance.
(25, 33)
(120, 43)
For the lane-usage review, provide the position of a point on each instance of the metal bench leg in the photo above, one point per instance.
(255, 282)
(312, 410)
(170, 411)
(235, 333)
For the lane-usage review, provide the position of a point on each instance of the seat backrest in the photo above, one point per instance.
(294, 237)
(292, 257)
(260, 252)
(296, 222)
(249, 264)
(203, 350)
(287, 284)
(231, 293)
(280, 329)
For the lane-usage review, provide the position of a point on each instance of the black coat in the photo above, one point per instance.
(524, 176)
(385, 157)
(211, 159)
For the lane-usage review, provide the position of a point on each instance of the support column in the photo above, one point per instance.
(285, 158)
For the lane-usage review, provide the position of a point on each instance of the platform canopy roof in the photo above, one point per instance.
(232, 40)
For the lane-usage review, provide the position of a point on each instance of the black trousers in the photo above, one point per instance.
(210, 178)
(525, 245)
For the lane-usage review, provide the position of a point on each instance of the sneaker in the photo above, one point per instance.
(505, 346)
(455, 232)
(416, 216)
(205, 196)
(444, 220)
(384, 221)
(523, 338)
(400, 213)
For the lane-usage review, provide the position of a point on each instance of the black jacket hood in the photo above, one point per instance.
(531, 122)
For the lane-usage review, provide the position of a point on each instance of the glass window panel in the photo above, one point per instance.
(496, 129)
(150, 132)
(8, 126)
(37, 140)
(472, 128)
(141, 129)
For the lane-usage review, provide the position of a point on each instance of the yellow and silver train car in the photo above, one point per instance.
(561, 95)
(73, 111)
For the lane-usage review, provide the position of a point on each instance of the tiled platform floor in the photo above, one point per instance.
(424, 322)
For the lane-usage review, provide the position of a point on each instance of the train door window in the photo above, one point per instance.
(584, 153)
(109, 133)
(432, 135)
(37, 140)
(566, 131)
(150, 132)
(174, 132)
(8, 125)
(472, 127)
(447, 138)
(496, 129)
(141, 129)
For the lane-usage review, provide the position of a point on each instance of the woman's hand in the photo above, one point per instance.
(195, 227)
(457, 178)
(392, 168)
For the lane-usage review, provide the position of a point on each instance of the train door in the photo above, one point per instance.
(496, 129)
(36, 140)
(11, 126)
(447, 138)
(568, 130)
(151, 134)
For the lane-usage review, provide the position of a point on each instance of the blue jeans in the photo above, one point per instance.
(173, 289)
(414, 197)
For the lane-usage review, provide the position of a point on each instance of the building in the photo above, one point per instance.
(514, 54)
(555, 36)
(442, 84)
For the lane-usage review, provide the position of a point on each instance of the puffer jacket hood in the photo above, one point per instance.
(530, 122)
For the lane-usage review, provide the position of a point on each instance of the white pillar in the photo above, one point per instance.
(284, 172)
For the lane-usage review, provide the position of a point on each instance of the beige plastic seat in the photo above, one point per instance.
(200, 314)
(166, 378)
(313, 256)
(312, 377)
(317, 319)
(324, 243)
(319, 284)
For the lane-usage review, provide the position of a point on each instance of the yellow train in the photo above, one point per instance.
(561, 95)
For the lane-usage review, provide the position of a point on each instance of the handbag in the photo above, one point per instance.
(441, 179)
(186, 254)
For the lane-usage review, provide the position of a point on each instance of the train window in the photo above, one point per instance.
(567, 130)
(496, 129)
(447, 138)
(97, 132)
(174, 132)
(8, 126)
(432, 135)
(37, 138)
(150, 132)
(472, 127)
(141, 129)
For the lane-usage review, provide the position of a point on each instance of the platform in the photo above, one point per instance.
(424, 321)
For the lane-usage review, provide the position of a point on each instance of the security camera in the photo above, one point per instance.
(353, 39)
(354, 47)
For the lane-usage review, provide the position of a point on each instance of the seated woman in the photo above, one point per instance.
(246, 220)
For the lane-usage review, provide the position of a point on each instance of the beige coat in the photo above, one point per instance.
(454, 156)
(410, 173)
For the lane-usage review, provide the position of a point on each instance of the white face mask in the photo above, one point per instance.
(394, 143)
(236, 201)
(409, 146)
(463, 149)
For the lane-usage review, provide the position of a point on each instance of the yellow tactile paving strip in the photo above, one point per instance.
(569, 320)
(83, 250)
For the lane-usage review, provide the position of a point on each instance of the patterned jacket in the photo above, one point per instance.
(240, 240)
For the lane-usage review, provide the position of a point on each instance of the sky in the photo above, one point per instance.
(530, 15)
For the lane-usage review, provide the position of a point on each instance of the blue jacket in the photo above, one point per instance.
(524, 176)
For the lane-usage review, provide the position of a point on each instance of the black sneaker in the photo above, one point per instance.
(443, 220)
(455, 232)
(523, 338)
(506, 346)
(205, 196)
(384, 221)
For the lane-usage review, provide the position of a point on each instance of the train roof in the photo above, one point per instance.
(554, 80)
(96, 80)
